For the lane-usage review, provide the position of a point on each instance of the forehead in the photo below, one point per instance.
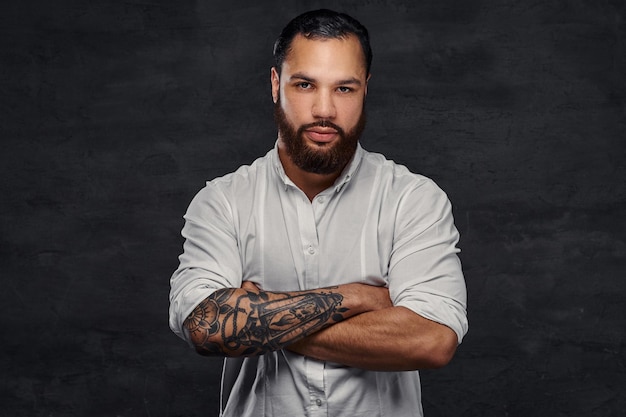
(326, 55)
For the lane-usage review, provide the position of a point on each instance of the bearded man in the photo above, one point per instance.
(326, 275)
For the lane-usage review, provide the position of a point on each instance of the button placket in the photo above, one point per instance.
(308, 239)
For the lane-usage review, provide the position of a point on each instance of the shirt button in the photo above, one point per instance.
(321, 200)
(311, 250)
(318, 402)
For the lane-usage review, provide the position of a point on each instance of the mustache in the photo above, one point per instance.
(322, 123)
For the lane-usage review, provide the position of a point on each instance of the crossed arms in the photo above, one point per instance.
(352, 324)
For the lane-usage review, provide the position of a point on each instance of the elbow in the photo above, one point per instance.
(214, 348)
(213, 345)
(437, 352)
(440, 356)
(203, 340)
(204, 346)
(445, 351)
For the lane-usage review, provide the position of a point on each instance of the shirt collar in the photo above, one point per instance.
(350, 170)
(345, 177)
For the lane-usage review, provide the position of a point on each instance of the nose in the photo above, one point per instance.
(323, 106)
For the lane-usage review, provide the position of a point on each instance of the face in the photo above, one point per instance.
(319, 99)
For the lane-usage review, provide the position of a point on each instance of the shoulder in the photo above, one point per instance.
(245, 174)
(397, 180)
(222, 193)
(244, 178)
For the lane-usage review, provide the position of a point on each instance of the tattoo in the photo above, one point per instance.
(203, 322)
(253, 324)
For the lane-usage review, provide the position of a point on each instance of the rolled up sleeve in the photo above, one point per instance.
(210, 258)
(425, 273)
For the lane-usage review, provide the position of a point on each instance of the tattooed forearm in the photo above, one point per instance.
(241, 323)
(204, 322)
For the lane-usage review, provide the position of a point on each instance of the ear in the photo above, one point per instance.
(367, 82)
(275, 80)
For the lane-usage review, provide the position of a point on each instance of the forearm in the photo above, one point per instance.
(240, 322)
(393, 339)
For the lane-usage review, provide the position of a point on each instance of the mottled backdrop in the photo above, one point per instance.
(114, 113)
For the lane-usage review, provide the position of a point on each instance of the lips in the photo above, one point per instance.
(321, 135)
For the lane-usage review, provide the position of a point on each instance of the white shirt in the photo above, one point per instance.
(379, 224)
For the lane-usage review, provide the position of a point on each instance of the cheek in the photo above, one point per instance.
(296, 110)
(352, 111)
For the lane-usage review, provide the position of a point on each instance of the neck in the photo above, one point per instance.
(310, 183)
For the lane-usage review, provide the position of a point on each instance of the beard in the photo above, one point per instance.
(328, 158)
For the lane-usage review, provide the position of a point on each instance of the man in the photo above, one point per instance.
(322, 272)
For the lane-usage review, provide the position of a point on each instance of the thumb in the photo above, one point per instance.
(249, 286)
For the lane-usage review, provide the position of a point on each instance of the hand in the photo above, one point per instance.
(250, 286)
(371, 297)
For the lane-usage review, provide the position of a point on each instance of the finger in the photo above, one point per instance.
(249, 286)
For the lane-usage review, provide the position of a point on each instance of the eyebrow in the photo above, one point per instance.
(300, 76)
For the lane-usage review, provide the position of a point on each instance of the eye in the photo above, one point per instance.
(304, 85)
(344, 89)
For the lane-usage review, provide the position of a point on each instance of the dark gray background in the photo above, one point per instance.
(114, 113)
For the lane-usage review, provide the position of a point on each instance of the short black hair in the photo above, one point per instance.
(322, 24)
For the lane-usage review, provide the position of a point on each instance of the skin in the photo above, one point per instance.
(353, 324)
(319, 80)
(247, 321)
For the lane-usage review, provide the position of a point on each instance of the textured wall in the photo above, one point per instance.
(113, 114)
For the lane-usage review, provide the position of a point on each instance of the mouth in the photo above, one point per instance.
(321, 135)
